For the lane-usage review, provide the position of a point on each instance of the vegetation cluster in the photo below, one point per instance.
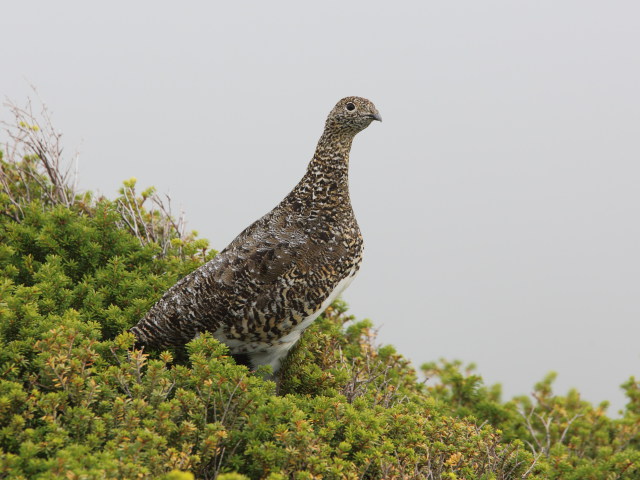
(79, 401)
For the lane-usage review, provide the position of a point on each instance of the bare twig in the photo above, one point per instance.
(531, 467)
(34, 158)
(153, 224)
(564, 432)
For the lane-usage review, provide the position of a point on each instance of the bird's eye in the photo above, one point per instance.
(350, 106)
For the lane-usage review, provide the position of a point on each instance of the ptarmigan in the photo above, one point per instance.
(260, 293)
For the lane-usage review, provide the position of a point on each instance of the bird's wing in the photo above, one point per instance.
(265, 280)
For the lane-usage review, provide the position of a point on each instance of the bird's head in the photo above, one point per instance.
(352, 114)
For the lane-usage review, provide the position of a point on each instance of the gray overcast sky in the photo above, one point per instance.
(499, 198)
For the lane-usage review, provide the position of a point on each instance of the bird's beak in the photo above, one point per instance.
(375, 116)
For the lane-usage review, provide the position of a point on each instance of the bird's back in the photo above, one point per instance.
(273, 276)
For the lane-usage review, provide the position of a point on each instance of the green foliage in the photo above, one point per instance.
(572, 437)
(78, 401)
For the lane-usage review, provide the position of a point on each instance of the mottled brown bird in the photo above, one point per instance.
(261, 292)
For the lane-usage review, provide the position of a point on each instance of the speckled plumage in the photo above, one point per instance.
(281, 272)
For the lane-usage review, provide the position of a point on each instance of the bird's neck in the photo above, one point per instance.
(331, 158)
(326, 182)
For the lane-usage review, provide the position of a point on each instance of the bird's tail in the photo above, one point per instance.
(153, 332)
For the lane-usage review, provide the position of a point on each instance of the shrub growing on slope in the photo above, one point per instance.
(575, 439)
(76, 399)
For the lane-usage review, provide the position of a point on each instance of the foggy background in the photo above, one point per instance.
(498, 199)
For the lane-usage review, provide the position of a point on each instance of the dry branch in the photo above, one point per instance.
(33, 166)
